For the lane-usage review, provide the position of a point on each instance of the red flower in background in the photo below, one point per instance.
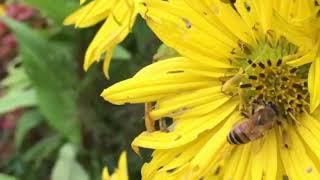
(8, 51)
(8, 43)
(20, 12)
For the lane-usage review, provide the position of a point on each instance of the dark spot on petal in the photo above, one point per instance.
(171, 170)
(175, 72)
(159, 168)
(247, 6)
(178, 137)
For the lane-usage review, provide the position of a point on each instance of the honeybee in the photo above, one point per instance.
(255, 126)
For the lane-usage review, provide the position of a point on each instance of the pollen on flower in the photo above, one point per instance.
(280, 85)
(265, 77)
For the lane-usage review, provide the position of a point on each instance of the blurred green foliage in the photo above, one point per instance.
(67, 131)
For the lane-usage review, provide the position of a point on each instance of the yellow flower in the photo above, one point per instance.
(119, 17)
(235, 68)
(303, 29)
(119, 174)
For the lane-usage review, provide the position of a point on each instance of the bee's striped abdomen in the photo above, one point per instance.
(237, 137)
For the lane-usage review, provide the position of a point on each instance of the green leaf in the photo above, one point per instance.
(41, 150)
(7, 177)
(165, 52)
(142, 34)
(66, 167)
(17, 99)
(16, 79)
(51, 70)
(55, 9)
(121, 53)
(17, 88)
(28, 121)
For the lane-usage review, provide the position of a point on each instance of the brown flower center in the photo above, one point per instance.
(275, 83)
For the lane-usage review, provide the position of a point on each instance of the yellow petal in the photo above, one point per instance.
(180, 103)
(242, 166)
(189, 33)
(112, 32)
(204, 109)
(121, 173)
(105, 174)
(232, 163)
(175, 159)
(300, 35)
(297, 163)
(146, 87)
(223, 17)
(207, 158)
(314, 84)
(106, 62)
(265, 13)
(249, 12)
(119, 16)
(178, 64)
(306, 58)
(316, 113)
(174, 163)
(91, 13)
(185, 130)
(264, 159)
(301, 9)
(137, 90)
(310, 131)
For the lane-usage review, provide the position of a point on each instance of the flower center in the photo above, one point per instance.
(266, 78)
(277, 84)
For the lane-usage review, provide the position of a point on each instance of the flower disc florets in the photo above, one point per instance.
(265, 77)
